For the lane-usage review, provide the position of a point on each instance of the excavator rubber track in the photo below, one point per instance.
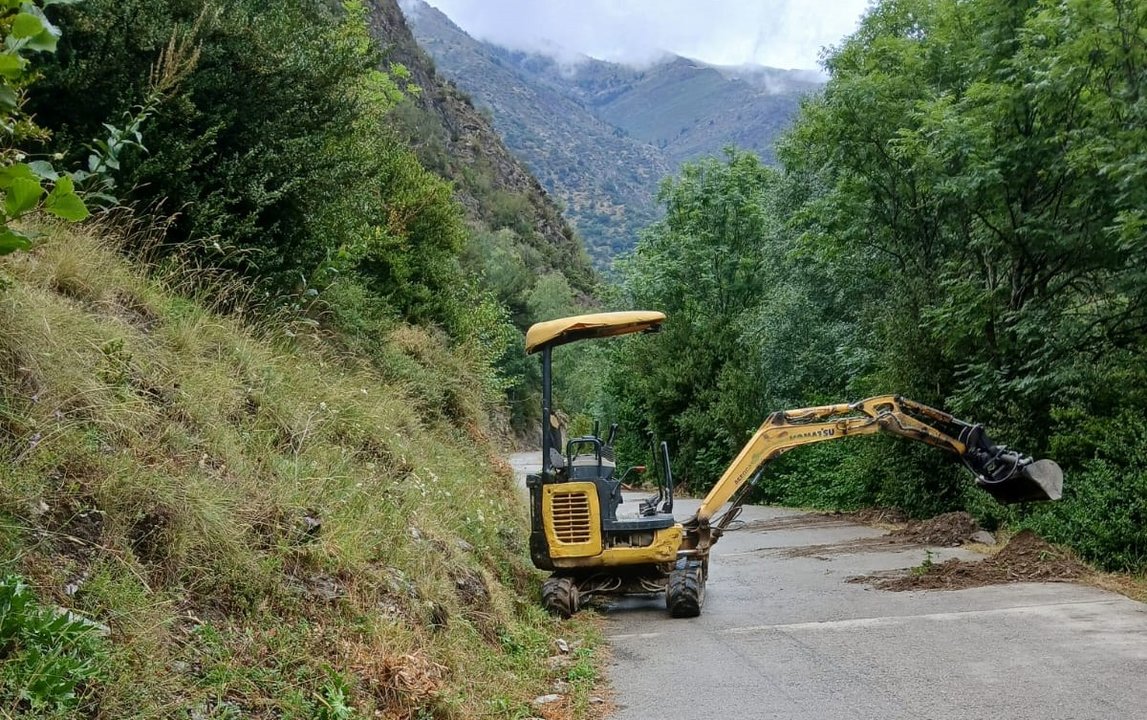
(685, 591)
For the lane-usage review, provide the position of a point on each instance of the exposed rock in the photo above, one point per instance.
(546, 699)
(319, 586)
(983, 537)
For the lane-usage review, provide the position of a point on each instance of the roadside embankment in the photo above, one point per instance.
(251, 523)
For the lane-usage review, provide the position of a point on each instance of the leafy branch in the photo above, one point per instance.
(34, 185)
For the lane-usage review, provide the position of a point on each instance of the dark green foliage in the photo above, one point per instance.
(27, 187)
(273, 151)
(703, 265)
(231, 151)
(969, 150)
(963, 223)
(983, 161)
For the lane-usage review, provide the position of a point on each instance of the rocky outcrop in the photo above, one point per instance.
(462, 145)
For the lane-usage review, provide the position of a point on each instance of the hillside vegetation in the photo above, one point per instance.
(258, 362)
(266, 529)
(357, 189)
(958, 218)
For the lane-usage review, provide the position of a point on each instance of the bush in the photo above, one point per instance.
(1103, 513)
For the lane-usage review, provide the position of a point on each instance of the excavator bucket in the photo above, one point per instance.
(1031, 482)
(1006, 474)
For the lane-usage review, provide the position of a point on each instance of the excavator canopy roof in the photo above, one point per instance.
(582, 327)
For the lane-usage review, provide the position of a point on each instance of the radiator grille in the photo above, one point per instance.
(571, 517)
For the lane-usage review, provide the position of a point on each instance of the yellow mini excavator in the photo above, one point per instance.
(577, 534)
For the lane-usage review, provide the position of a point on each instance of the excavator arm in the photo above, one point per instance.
(1005, 474)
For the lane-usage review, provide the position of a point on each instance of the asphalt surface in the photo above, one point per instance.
(784, 636)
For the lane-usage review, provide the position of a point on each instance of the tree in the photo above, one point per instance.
(703, 265)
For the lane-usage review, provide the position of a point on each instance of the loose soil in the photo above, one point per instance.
(884, 543)
(878, 516)
(947, 530)
(1026, 558)
(795, 522)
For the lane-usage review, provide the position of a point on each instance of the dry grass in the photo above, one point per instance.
(1133, 586)
(265, 527)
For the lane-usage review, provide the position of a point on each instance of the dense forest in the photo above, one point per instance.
(958, 218)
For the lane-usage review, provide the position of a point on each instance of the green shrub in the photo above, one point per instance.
(48, 653)
(1103, 513)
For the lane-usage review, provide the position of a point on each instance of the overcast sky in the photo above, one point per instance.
(777, 33)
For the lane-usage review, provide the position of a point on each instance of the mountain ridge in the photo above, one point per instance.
(599, 135)
(523, 110)
(456, 140)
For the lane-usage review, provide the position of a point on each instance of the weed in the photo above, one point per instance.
(926, 565)
(49, 653)
(333, 701)
(584, 670)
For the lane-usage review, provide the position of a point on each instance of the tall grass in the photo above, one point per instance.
(267, 527)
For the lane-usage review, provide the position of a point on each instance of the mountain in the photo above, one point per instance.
(605, 179)
(600, 135)
(684, 107)
(457, 141)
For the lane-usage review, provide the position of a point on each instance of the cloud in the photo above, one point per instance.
(777, 33)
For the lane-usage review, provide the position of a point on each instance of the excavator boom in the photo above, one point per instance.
(1007, 475)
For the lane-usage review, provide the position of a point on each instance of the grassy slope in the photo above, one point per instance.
(261, 526)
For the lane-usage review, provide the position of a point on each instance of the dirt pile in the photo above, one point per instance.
(877, 516)
(1027, 558)
(947, 530)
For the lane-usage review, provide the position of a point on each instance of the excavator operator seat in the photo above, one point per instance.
(599, 467)
(590, 460)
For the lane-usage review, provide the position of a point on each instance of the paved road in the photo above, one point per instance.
(786, 637)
